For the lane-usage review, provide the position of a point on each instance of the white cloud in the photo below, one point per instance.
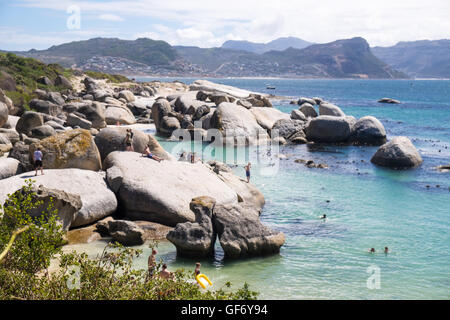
(381, 22)
(110, 17)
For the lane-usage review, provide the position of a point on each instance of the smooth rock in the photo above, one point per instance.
(161, 191)
(308, 110)
(368, 130)
(112, 139)
(69, 149)
(241, 233)
(28, 121)
(98, 201)
(238, 125)
(9, 167)
(329, 109)
(329, 129)
(196, 239)
(397, 153)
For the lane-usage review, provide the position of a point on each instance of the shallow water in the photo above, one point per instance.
(366, 206)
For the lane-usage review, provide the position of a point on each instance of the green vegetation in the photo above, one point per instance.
(23, 73)
(114, 78)
(25, 274)
(143, 50)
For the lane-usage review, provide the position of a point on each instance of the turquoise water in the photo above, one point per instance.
(367, 206)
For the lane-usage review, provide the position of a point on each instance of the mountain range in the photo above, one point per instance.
(283, 57)
(418, 59)
(279, 44)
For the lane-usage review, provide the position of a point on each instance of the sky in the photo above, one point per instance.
(33, 24)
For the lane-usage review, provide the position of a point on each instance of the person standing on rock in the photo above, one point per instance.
(152, 263)
(247, 171)
(129, 140)
(37, 158)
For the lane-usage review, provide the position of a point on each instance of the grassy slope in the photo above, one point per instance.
(26, 72)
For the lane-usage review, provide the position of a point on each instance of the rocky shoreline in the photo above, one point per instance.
(81, 134)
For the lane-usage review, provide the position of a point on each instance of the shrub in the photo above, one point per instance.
(24, 272)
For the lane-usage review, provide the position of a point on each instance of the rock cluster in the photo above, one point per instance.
(240, 232)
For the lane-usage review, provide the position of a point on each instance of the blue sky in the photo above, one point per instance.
(27, 24)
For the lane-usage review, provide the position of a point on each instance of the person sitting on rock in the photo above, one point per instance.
(165, 274)
(129, 140)
(37, 158)
(149, 154)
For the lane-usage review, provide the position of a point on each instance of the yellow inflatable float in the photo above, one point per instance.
(203, 280)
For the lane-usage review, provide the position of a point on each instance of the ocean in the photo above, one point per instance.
(367, 206)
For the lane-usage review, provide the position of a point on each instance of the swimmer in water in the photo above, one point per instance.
(372, 250)
(323, 217)
(386, 250)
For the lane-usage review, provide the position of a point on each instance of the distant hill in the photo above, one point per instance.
(420, 59)
(350, 58)
(143, 50)
(279, 44)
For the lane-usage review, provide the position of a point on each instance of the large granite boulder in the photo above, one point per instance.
(42, 132)
(368, 130)
(266, 117)
(112, 139)
(304, 100)
(329, 129)
(160, 109)
(196, 239)
(248, 194)
(63, 82)
(45, 107)
(66, 204)
(397, 153)
(13, 110)
(308, 110)
(161, 191)
(125, 232)
(127, 95)
(9, 167)
(21, 152)
(4, 112)
(69, 149)
(55, 97)
(329, 109)
(286, 128)
(95, 113)
(74, 120)
(238, 125)
(298, 115)
(119, 114)
(28, 121)
(241, 233)
(10, 134)
(98, 201)
(168, 125)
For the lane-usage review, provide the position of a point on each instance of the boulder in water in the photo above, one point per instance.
(397, 153)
